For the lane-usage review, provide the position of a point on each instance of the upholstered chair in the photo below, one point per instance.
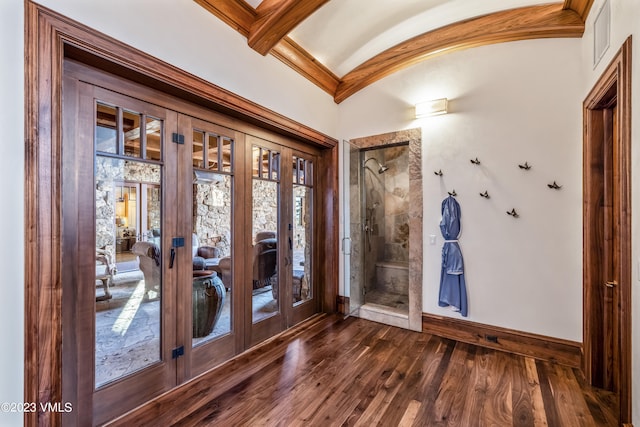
(265, 260)
(149, 258)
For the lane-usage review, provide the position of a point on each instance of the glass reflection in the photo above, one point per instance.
(212, 276)
(128, 268)
(265, 249)
(131, 129)
(302, 226)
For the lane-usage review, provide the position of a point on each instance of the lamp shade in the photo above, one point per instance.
(431, 108)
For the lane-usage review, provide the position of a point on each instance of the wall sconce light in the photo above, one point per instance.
(431, 108)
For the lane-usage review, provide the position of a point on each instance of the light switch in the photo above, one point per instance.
(432, 239)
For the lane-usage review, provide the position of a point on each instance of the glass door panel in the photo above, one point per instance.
(212, 240)
(211, 289)
(123, 326)
(302, 246)
(128, 274)
(265, 218)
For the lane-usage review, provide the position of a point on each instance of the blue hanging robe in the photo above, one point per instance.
(453, 289)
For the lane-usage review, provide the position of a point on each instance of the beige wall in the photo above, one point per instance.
(11, 207)
(509, 103)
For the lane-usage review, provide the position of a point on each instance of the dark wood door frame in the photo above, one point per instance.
(49, 38)
(611, 92)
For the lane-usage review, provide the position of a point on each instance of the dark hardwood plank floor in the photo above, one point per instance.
(352, 372)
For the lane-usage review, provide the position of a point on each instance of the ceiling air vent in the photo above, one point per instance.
(601, 29)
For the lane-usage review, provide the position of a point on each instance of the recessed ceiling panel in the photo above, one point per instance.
(342, 34)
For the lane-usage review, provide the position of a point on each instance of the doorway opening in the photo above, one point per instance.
(607, 232)
(383, 267)
(384, 212)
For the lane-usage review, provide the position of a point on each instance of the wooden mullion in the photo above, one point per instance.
(120, 131)
(143, 136)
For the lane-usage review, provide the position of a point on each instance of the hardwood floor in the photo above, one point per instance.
(355, 372)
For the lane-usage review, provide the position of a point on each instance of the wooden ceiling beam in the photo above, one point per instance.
(301, 61)
(581, 7)
(269, 24)
(546, 21)
(277, 18)
(237, 14)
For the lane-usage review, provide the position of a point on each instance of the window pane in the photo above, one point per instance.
(227, 154)
(275, 166)
(198, 149)
(154, 133)
(106, 128)
(212, 152)
(256, 155)
(131, 130)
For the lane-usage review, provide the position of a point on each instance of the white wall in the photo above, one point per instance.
(184, 34)
(11, 208)
(510, 103)
(625, 16)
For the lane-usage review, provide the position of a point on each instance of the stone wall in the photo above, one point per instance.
(396, 204)
(212, 214)
(109, 172)
(265, 206)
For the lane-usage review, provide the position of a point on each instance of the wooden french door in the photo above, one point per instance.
(282, 291)
(117, 349)
(211, 190)
(200, 278)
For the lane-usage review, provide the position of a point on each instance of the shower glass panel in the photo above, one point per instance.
(384, 226)
(352, 245)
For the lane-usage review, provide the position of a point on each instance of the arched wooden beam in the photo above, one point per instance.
(517, 24)
(581, 7)
(277, 18)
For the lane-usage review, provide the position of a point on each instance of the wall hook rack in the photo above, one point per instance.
(526, 166)
(452, 193)
(485, 195)
(475, 162)
(554, 186)
(439, 173)
(513, 213)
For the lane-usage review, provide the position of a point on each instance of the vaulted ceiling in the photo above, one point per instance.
(345, 45)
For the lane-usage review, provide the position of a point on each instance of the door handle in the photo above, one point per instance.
(290, 244)
(172, 258)
(611, 284)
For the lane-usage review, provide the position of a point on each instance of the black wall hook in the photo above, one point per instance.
(554, 186)
(475, 162)
(513, 213)
(452, 193)
(485, 195)
(526, 166)
(439, 173)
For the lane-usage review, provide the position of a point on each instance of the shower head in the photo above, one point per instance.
(382, 168)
